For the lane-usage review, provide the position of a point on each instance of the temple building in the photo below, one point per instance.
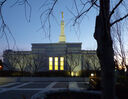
(60, 56)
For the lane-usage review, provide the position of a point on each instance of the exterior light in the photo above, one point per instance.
(1, 67)
(92, 74)
(76, 74)
(72, 73)
(125, 69)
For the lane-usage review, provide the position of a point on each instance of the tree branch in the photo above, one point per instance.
(52, 7)
(82, 13)
(76, 6)
(4, 28)
(45, 18)
(79, 15)
(95, 3)
(113, 10)
(26, 5)
(118, 20)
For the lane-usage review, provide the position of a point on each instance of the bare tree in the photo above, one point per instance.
(94, 62)
(24, 61)
(86, 63)
(16, 60)
(102, 34)
(21, 61)
(73, 61)
(105, 51)
(119, 49)
(38, 62)
(9, 60)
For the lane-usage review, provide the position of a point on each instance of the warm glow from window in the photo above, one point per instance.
(50, 58)
(61, 63)
(56, 63)
(61, 58)
(50, 63)
(72, 73)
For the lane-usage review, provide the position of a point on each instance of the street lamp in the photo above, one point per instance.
(92, 75)
(1, 65)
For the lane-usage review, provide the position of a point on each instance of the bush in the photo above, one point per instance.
(52, 74)
(37, 74)
(46, 73)
(14, 73)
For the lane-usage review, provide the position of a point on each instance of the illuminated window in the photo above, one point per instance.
(56, 63)
(72, 73)
(50, 63)
(61, 63)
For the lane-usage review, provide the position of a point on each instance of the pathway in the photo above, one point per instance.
(19, 90)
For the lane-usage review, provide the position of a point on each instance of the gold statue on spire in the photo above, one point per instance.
(62, 14)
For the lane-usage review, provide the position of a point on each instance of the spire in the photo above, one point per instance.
(62, 15)
(62, 37)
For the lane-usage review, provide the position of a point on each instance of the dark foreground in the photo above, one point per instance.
(72, 95)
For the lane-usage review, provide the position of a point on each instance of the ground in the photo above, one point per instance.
(27, 90)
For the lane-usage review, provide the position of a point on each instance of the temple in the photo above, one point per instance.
(60, 56)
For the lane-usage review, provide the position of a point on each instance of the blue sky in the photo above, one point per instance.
(26, 33)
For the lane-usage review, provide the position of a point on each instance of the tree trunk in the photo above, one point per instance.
(105, 51)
